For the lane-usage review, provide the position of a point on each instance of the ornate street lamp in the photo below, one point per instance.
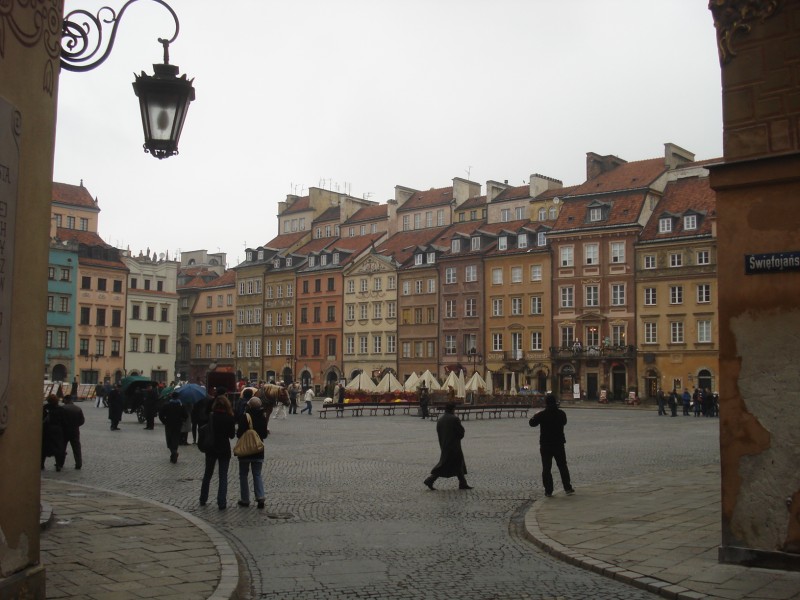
(163, 97)
(474, 357)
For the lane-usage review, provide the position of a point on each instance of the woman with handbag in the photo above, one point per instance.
(253, 418)
(224, 428)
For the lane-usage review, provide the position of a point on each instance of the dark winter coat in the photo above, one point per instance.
(73, 419)
(172, 415)
(53, 430)
(224, 427)
(551, 423)
(259, 424)
(451, 461)
(115, 405)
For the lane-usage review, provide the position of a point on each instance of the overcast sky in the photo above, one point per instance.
(362, 95)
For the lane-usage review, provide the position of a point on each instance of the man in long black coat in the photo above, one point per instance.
(451, 461)
(551, 422)
(115, 406)
(73, 420)
(172, 415)
(150, 406)
(53, 431)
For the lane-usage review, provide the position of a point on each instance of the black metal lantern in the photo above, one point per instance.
(163, 97)
(163, 100)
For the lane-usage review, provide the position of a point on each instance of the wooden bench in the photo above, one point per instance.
(493, 411)
(356, 410)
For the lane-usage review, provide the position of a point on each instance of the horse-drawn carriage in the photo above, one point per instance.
(134, 390)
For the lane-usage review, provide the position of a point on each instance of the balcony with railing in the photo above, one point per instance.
(577, 352)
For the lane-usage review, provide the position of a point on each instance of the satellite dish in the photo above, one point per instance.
(556, 200)
(161, 256)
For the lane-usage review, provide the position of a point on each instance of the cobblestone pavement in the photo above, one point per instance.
(348, 516)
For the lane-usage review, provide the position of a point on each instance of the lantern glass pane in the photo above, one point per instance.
(161, 115)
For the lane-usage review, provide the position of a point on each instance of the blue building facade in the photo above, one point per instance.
(62, 275)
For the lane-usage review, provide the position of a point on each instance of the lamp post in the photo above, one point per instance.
(474, 358)
(163, 97)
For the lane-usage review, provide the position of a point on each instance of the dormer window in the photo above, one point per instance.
(311, 261)
(522, 240)
(418, 259)
(336, 258)
(319, 233)
(475, 243)
(665, 225)
(431, 257)
(276, 263)
(323, 260)
(502, 243)
(690, 222)
(541, 239)
(455, 246)
(288, 261)
(249, 255)
(260, 255)
(595, 214)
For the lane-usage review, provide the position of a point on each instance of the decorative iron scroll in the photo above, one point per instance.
(83, 46)
(33, 23)
(732, 16)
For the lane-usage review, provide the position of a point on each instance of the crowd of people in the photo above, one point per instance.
(702, 402)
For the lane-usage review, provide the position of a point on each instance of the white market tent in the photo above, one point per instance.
(389, 383)
(475, 383)
(361, 382)
(461, 387)
(411, 383)
(489, 382)
(451, 381)
(430, 381)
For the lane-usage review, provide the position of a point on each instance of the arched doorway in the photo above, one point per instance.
(566, 379)
(59, 373)
(651, 379)
(705, 380)
(305, 378)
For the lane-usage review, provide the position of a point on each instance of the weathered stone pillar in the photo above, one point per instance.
(29, 70)
(758, 236)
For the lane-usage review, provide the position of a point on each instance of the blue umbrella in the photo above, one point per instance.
(191, 393)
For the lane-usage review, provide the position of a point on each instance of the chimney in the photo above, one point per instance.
(674, 156)
(542, 183)
(597, 165)
(494, 188)
(402, 194)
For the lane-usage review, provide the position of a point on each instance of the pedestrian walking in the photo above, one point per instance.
(661, 400)
(551, 422)
(73, 420)
(150, 406)
(451, 463)
(224, 428)
(115, 406)
(309, 396)
(687, 401)
(53, 431)
(199, 416)
(293, 391)
(173, 415)
(424, 399)
(99, 395)
(254, 462)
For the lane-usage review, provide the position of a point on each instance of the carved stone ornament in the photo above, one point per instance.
(33, 22)
(733, 16)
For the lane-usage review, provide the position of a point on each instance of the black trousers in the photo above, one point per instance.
(559, 454)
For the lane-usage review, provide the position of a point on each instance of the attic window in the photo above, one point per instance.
(418, 258)
(665, 225)
(522, 240)
(475, 243)
(276, 263)
(455, 246)
(336, 258)
(595, 214)
(249, 255)
(311, 261)
(288, 261)
(431, 257)
(323, 260)
(690, 222)
(502, 243)
(260, 255)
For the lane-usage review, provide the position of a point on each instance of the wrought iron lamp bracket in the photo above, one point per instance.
(82, 42)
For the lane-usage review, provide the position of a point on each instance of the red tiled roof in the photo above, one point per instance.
(87, 238)
(513, 193)
(557, 193)
(285, 240)
(73, 195)
(509, 226)
(628, 176)
(315, 245)
(623, 209)
(369, 213)
(476, 202)
(402, 244)
(681, 197)
(357, 242)
(106, 264)
(300, 205)
(228, 278)
(428, 199)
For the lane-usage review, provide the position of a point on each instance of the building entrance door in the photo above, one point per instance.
(591, 386)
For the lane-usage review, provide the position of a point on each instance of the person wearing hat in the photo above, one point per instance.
(551, 422)
(451, 463)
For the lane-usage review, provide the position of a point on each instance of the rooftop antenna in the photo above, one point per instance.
(468, 171)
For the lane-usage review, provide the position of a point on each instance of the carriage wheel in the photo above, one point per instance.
(140, 413)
